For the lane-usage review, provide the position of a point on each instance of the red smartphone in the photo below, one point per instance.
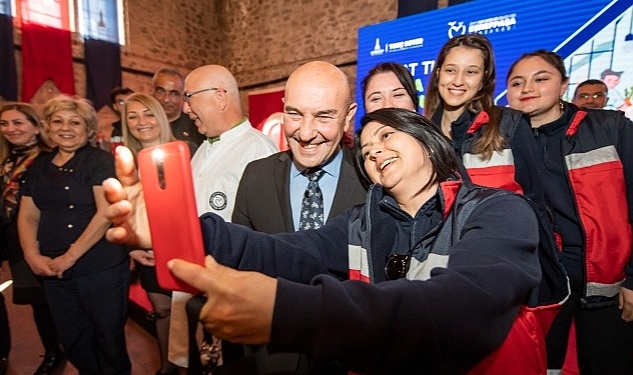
(165, 174)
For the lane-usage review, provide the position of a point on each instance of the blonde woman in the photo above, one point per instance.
(61, 226)
(145, 124)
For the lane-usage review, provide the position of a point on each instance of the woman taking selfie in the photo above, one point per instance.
(494, 143)
(145, 125)
(430, 249)
(61, 225)
(588, 157)
(21, 142)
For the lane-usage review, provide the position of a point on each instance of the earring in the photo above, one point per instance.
(561, 104)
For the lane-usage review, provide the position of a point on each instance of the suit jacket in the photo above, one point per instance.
(263, 197)
(262, 203)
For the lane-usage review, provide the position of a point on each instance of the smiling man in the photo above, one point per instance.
(591, 93)
(168, 88)
(212, 100)
(318, 110)
(317, 113)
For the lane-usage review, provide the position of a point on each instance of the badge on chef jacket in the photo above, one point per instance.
(218, 201)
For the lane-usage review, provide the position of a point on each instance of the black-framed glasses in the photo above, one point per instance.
(187, 95)
(397, 266)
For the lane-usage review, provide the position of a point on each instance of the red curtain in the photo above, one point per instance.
(9, 80)
(46, 50)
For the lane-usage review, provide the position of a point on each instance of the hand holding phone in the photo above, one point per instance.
(165, 174)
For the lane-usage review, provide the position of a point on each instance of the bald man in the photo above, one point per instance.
(212, 100)
(318, 110)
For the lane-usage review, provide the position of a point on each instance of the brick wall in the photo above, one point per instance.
(260, 41)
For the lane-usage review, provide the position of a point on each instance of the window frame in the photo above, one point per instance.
(72, 17)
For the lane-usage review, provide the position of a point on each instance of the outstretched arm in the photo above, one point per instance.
(447, 323)
(273, 255)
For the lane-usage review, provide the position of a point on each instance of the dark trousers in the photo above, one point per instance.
(193, 307)
(230, 352)
(5, 332)
(604, 342)
(90, 312)
(46, 327)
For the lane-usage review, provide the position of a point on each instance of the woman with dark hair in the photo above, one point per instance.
(494, 143)
(429, 249)
(588, 157)
(61, 225)
(21, 141)
(389, 85)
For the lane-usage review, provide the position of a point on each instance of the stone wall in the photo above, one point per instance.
(182, 34)
(260, 41)
(266, 40)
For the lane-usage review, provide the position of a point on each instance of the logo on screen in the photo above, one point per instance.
(377, 50)
(493, 24)
(404, 45)
(456, 28)
(401, 45)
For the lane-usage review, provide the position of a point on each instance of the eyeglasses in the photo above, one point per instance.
(187, 95)
(397, 266)
(594, 95)
(160, 92)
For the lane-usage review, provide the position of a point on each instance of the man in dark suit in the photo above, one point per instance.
(263, 196)
(318, 111)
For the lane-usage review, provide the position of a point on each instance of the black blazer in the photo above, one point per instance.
(262, 203)
(263, 196)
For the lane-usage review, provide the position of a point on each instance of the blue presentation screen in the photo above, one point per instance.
(592, 36)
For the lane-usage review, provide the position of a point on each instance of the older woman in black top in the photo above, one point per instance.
(61, 226)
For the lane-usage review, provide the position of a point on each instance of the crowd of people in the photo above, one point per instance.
(469, 239)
